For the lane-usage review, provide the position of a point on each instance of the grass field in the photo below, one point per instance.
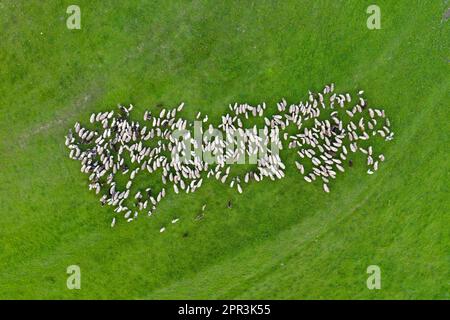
(281, 240)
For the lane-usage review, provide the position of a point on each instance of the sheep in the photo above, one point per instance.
(325, 143)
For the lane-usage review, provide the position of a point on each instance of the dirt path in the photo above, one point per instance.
(79, 105)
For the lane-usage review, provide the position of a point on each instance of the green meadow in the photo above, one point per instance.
(283, 239)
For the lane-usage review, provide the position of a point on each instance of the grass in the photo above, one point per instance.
(283, 239)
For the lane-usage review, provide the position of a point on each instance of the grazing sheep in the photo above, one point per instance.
(118, 146)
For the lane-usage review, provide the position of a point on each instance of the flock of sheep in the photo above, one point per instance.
(328, 128)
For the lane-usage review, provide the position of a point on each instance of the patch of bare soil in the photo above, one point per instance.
(446, 15)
